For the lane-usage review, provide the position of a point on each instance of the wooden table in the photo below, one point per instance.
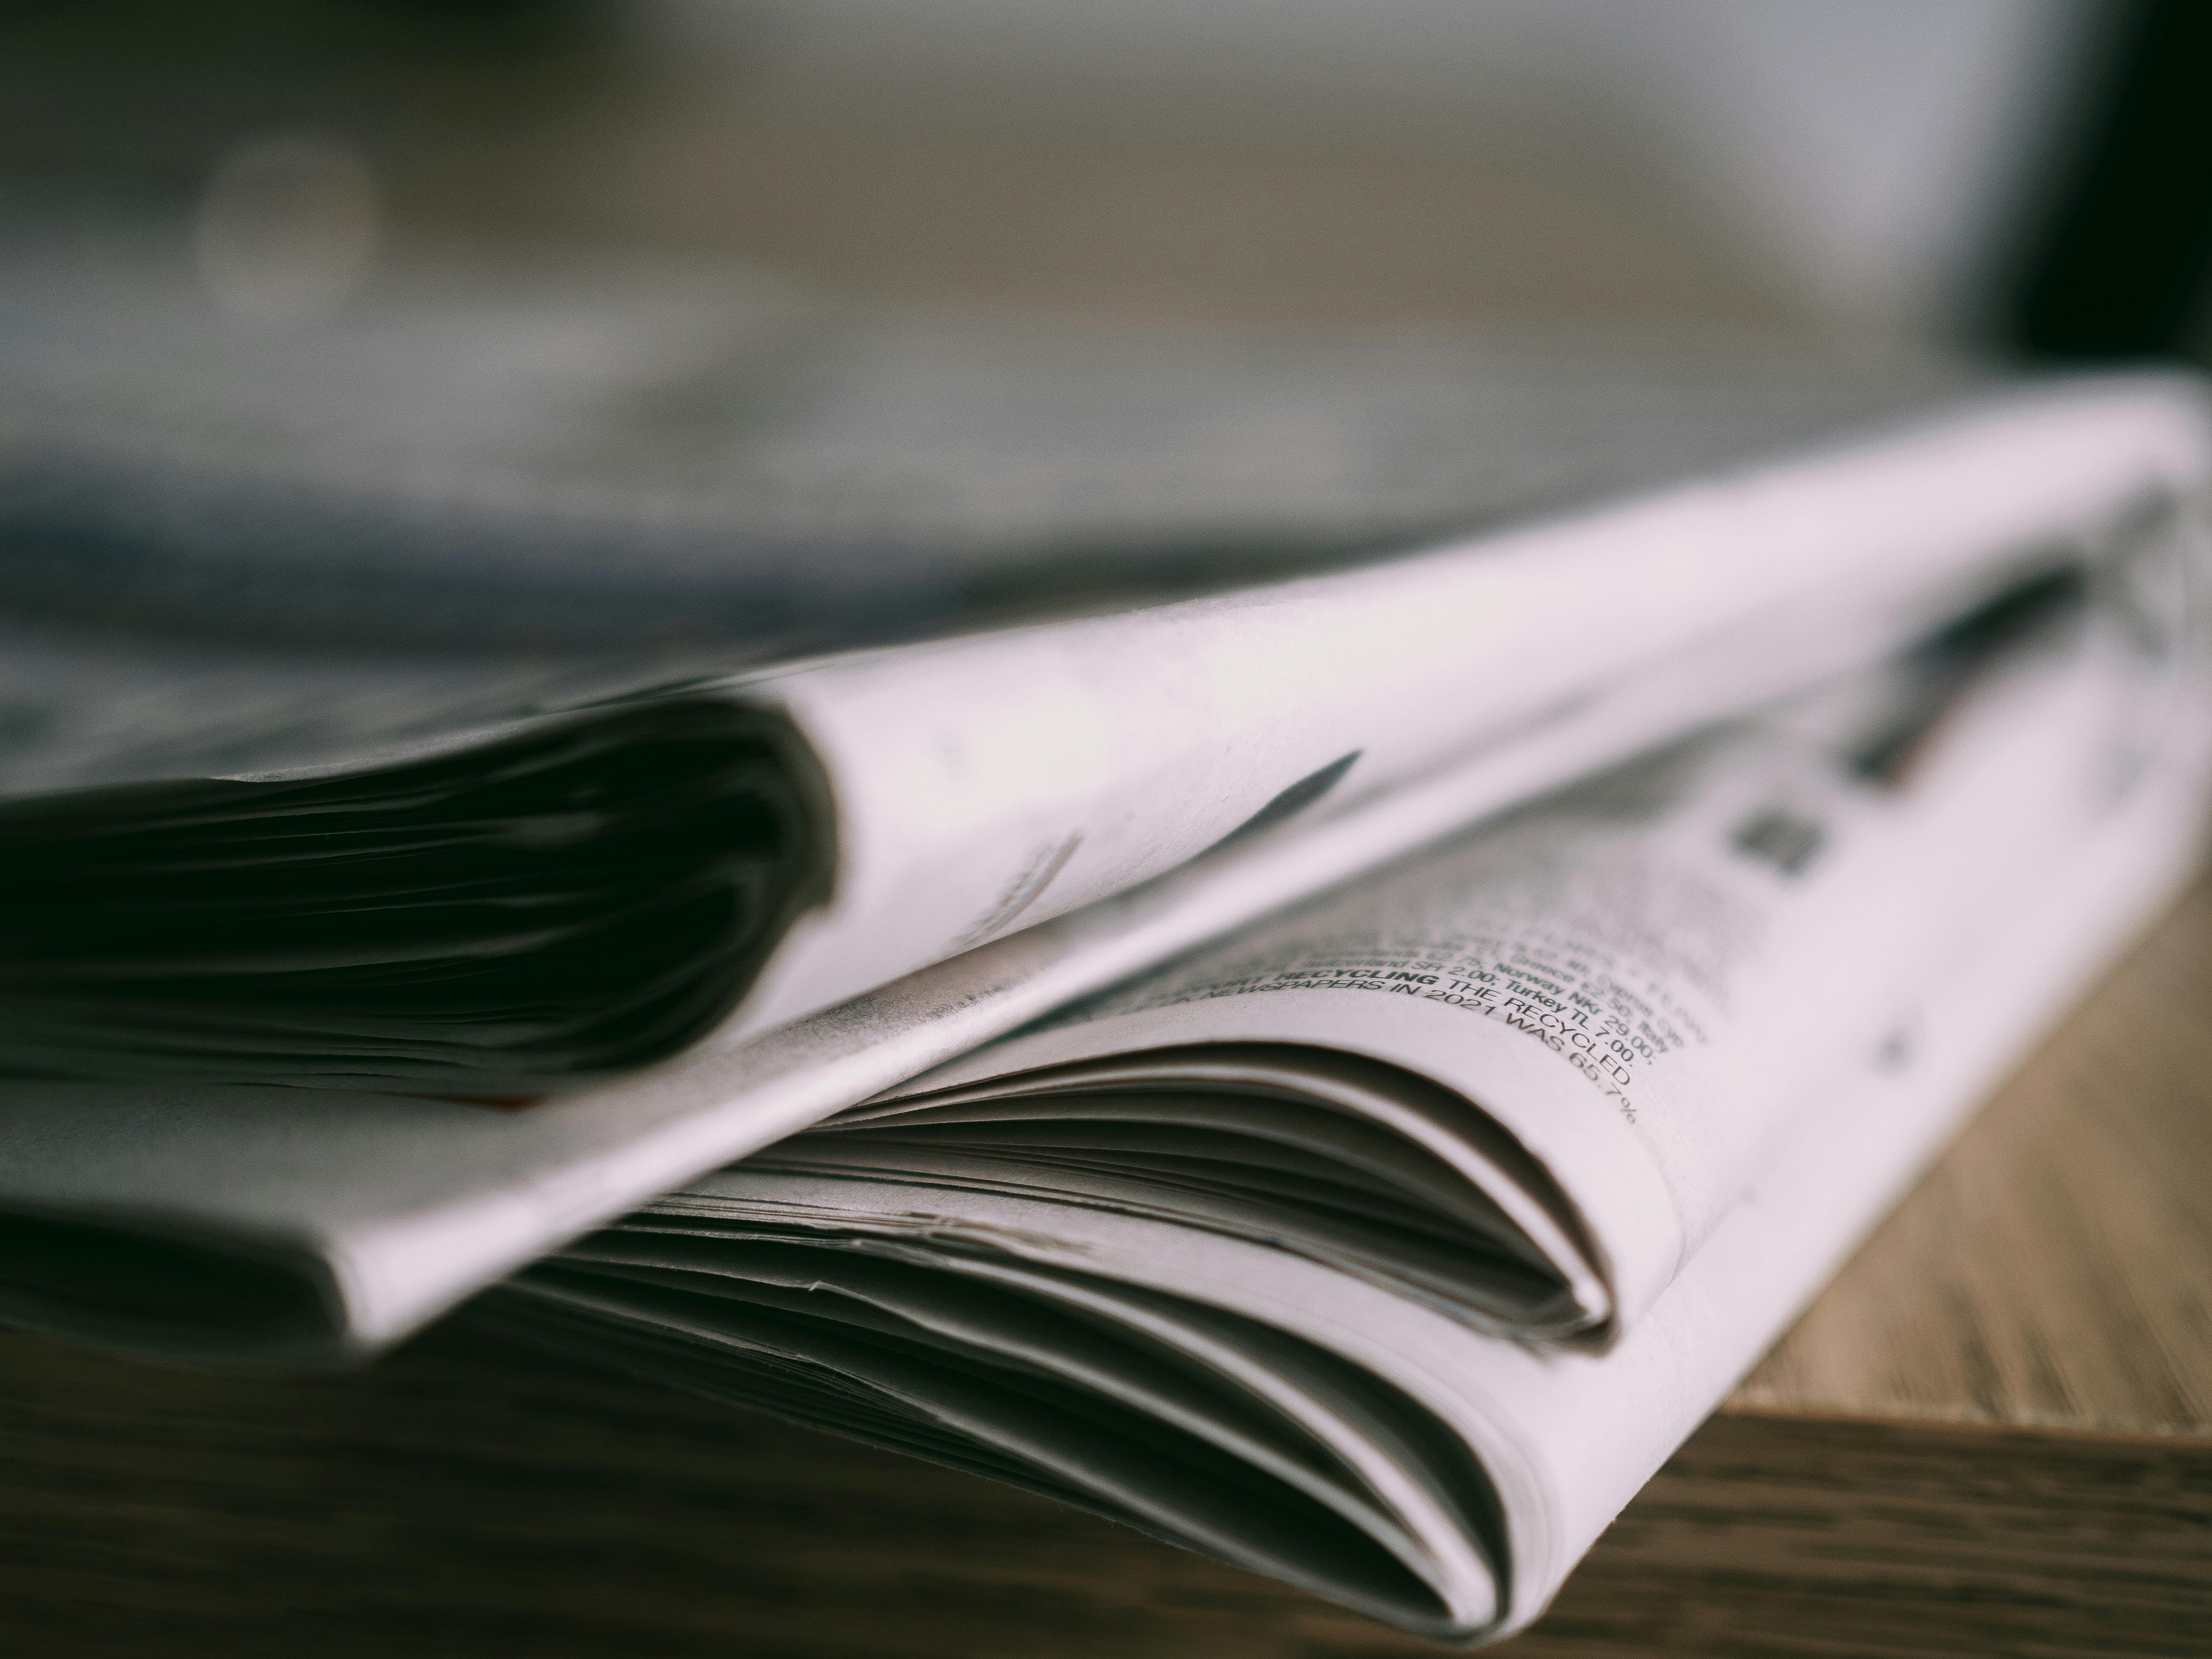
(1992, 1435)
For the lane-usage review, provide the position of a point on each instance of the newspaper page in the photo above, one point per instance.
(204, 892)
(1275, 1410)
(1635, 983)
(354, 1223)
(1279, 1407)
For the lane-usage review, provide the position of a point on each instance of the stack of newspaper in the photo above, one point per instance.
(1340, 1072)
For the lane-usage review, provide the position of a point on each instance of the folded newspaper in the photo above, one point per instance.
(233, 860)
(1386, 1246)
(1341, 1074)
(1226, 1256)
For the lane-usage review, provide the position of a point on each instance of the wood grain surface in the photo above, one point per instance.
(1992, 1435)
(2056, 1268)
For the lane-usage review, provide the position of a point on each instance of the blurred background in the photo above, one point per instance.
(553, 323)
(2029, 173)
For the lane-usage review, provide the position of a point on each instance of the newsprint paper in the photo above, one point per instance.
(1386, 1245)
(1341, 1075)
